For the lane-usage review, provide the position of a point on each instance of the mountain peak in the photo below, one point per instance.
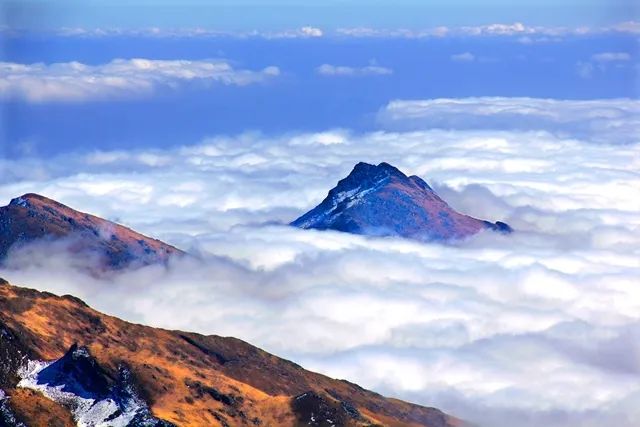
(363, 168)
(36, 201)
(25, 200)
(382, 200)
(33, 217)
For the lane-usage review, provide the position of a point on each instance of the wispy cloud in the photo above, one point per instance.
(632, 27)
(528, 40)
(362, 32)
(463, 57)
(341, 70)
(196, 32)
(600, 62)
(304, 32)
(585, 69)
(74, 81)
(611, 57)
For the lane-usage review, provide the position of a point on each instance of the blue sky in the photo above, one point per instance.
(300, 97)
(292, 66)
(244, 15)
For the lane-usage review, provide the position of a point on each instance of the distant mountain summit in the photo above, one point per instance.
(382, 201)
(32, 218)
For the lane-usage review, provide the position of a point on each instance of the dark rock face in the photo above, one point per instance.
(314, 410)
(382, 201)
(198, 390)
(78, 373)
(12, 355)
(7, 417)
(34, 218)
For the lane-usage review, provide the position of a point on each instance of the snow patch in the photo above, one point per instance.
(357, 198)
(20, 201)
(87, 412)
(352, 197)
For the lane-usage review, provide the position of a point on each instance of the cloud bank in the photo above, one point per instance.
(74, 81)
(614, 121)
(304, 32)
(516, 29)
(538, 328)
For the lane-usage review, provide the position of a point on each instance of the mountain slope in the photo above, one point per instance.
(382, 201)
(60, 359)
(34, 218)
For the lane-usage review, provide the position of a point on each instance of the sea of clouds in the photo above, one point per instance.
(541, 327)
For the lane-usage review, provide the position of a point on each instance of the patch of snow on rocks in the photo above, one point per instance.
(87, 412)
(20, 201)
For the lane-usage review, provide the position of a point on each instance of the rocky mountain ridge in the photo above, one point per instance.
(63, 363)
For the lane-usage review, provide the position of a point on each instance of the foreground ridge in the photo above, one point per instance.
(63, 363)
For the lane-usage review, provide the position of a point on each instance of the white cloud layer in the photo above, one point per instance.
(199, 32)
(541, 327)
(341, 70)
(304, 32)
(74, 81)
(614, 121)
(517, 29)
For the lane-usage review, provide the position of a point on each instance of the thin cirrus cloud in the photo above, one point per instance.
(599, 62)
(463, 57)
(74, 81)
(537, 328)
(345, 71)
(611, 57)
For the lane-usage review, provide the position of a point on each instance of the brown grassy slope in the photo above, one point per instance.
(32, 217)
(188, 379)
